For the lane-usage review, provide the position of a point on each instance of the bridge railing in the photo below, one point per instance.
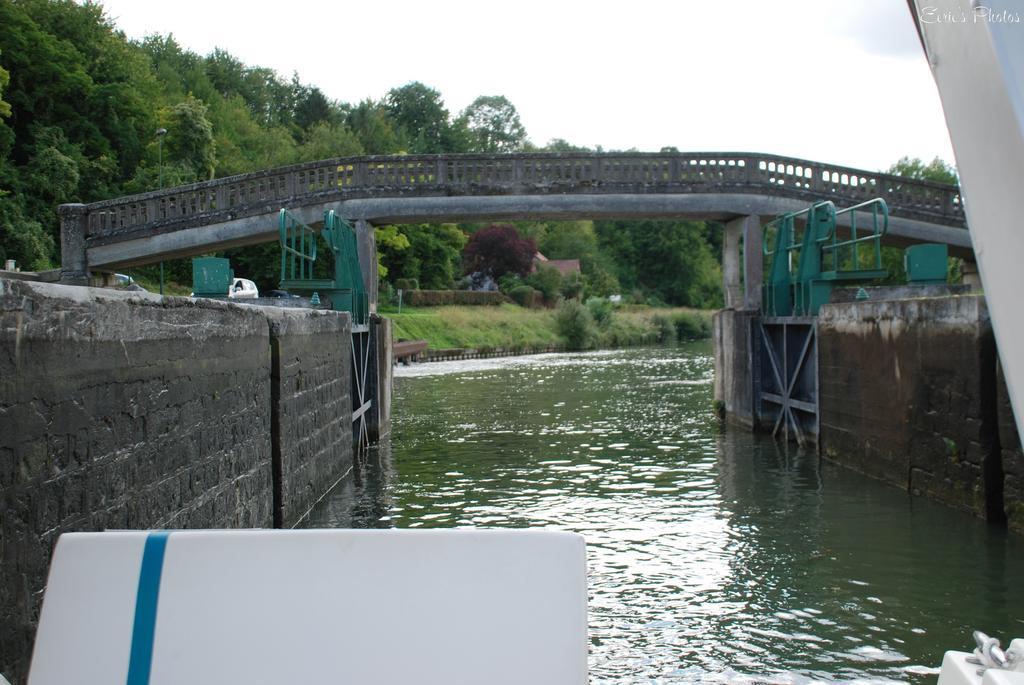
(533, 173)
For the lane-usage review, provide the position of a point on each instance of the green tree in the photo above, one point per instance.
(576, 325)
(600, 280)
(671, 261)
(312, 107)
(562, 145)
(389, 241)
(937, 171)
(80, 115)
(22, 239)
(573, 285)
(227, 73)
(547, 280)
(325, 140)
(5, 107)
(432, 256)
(271, 99)
(190, 137)
(52, 172)
(569, 240)
(419, 114)
(577, 240)
(373, 128)
(423, 121)
(242, 144)
(493, 124)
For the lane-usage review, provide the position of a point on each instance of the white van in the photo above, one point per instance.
(243, 288)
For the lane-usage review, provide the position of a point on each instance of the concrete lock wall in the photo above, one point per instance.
(311, 407)
(380, 378)
(733, 389)
(127, 410)
(1012, 457)
(908, 394)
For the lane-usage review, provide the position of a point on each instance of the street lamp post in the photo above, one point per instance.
(160, 133)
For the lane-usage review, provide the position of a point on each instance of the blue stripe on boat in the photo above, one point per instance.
(141, 659)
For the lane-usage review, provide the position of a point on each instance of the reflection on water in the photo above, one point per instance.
(714, 556)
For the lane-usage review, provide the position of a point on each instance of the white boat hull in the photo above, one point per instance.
(977, 58)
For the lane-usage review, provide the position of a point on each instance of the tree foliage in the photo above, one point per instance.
(189, 140)
(78, 118)
(493, 124)
(422, 120)
(576, 324)
(372, 126)
(312, 108)
(936, 170)
(548, 281)
(325, 140)
(5, 107)
(80, 105)
(498, 250)
(563, 145)
(425, 253)
(673, 261)
(389, 241)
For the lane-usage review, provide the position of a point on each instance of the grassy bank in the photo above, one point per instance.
(509, 325)
(501, 326)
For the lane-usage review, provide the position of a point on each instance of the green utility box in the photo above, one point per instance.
(926, 263)
(211, 277)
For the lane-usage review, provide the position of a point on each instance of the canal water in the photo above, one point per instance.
(714, 555)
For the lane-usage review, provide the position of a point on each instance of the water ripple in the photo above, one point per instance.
(714, 556)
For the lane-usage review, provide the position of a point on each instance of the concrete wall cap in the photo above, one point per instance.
(961, 310)
(293, 321)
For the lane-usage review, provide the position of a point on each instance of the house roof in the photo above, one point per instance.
(564, 266)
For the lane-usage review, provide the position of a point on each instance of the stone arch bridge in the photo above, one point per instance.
(741, 189)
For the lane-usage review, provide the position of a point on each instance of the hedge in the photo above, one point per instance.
(407, 284)
(525, 296)
(437, 298)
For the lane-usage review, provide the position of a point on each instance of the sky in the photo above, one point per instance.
(844, 82)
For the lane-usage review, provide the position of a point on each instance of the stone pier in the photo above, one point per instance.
(742, 272)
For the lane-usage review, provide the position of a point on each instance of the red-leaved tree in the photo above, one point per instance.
(497, 250)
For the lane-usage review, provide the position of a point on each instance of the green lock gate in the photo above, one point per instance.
(807, 264)
(345, 290)
(808, 259)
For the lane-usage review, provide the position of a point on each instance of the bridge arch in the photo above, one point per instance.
(241, 210)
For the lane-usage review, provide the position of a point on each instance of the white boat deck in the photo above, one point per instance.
(317, 606)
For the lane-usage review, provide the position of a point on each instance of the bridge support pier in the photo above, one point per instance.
(366, 245)
(970, 274)
(378, 421)
(74, 266)
(742, 276)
